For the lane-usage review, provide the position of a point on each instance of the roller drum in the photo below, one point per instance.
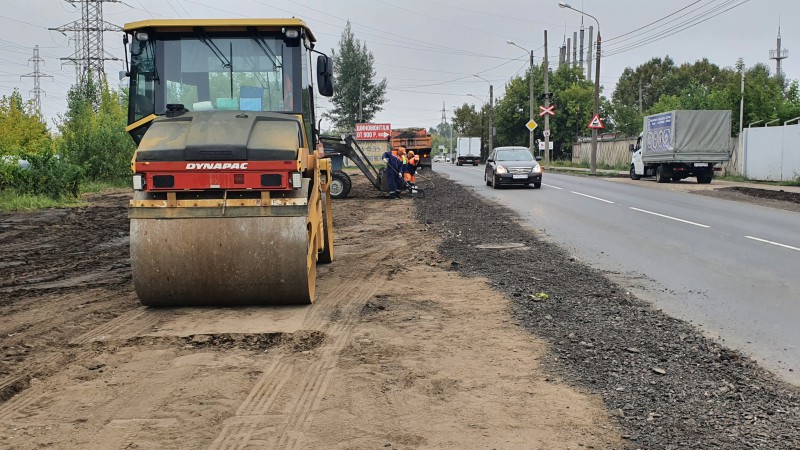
(222, 261)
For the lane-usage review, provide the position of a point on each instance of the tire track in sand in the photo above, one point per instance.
(280, 406)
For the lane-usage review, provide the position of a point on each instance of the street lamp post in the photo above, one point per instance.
(593, 158)
(530, 145)
(491, 113)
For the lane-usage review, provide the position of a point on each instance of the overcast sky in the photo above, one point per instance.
(429, 49)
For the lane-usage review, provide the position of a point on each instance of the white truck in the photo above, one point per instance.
(468, 151)
(680, 144)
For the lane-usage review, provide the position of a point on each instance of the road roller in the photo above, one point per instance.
(231, 202)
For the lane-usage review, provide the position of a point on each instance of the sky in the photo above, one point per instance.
(429, 50)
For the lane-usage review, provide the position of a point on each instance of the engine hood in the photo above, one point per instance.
(222, 136)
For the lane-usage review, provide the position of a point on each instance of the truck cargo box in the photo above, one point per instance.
(687, 136)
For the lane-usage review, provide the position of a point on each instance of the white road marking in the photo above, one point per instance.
(554, 187)
(670, 217)
(773, 243)
(589, 196)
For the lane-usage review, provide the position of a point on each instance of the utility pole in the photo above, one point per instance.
(568, 60)
(640, 95)
(531, 144)
(574, 49)
(89, 56)
(491, 111)
(444, 116)
(582, 42)
(546, 104)
(37, 75)
(593, 159)
(491, 118)
(589, 54)
(741, 103)
(360, 95)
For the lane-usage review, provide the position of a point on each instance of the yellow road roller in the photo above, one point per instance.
(231, 200)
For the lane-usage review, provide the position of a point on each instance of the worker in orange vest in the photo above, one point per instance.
(411, 168)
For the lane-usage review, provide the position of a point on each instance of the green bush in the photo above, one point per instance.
(48, 175)
(93, 134)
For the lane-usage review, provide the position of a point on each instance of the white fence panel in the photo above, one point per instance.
(763, 148)
(790, 167)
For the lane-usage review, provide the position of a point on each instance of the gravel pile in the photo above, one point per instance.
(667, 385)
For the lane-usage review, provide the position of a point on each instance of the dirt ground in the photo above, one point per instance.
(399, 350)
(667, 384)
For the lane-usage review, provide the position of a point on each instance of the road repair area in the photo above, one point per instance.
(442, 323)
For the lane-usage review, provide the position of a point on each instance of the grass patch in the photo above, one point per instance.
(736, 178)
(91, 187)
(742, 179)
(10, 200)
(569, 163)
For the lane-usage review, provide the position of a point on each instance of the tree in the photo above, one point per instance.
(573, 98)
(22, 128)
(657, 77)
(441, 135)
(355, 74)
(96, 140)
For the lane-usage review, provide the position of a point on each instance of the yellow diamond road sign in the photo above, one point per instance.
(531, 125)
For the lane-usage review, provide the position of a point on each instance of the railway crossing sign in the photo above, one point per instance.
(545, 110)
(531, 125)
(596, 123)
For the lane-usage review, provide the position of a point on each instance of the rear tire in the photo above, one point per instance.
(704, 179)
(633, 174)
(662, 174)
(340, 185)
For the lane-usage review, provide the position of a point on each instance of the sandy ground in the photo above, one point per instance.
(398, 351)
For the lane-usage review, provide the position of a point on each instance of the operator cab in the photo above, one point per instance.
(247, 65)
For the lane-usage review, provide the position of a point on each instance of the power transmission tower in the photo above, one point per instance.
(89, 57)
(779, 54)
(37, 75)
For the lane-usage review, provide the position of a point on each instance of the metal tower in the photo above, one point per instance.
(779, 54)
(37, 75)
(89, 57)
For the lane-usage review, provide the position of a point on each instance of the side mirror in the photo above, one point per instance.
(631, 148)
(324, 76)
(538, 158)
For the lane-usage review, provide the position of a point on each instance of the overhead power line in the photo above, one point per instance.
(613, 38)
(697, 20)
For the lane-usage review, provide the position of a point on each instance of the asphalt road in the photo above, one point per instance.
(732, 269)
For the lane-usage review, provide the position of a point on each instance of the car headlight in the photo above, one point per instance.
(537, 169)
(500, 169)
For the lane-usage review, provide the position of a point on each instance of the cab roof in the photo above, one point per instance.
(167, 25)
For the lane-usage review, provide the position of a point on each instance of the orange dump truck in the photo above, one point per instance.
(416, 139)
